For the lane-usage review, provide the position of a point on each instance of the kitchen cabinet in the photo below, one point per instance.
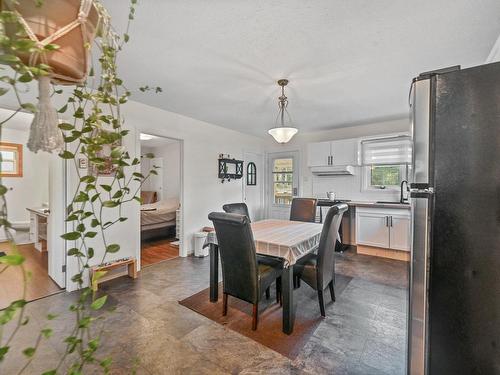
(333, 153)
(399, 232)
(319, 154)
(383, 227)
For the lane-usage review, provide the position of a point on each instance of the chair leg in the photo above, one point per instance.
(278, 290)
(255, 316)
(224, 304)
(321, 303)
(268, 293)
(332, 291)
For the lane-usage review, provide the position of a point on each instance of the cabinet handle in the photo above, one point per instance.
(391, 221)
(329, 160)
(386, 221)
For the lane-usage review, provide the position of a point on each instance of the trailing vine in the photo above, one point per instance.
(93, 132)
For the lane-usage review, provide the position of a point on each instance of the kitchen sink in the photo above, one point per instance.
(391, 202)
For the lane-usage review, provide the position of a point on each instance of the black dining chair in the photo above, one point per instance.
(243, 276)
(318, 270)
(303, 209)
(242, 209)
(237, 208)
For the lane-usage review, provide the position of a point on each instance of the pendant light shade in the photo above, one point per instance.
(283, 133)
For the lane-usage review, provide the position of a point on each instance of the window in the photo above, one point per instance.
(283, 181)
(386, 162)
(251, 174)
(11, 155)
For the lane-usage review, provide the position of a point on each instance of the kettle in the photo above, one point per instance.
(330, 195)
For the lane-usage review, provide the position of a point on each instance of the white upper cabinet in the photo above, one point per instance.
(345, 152)
(342, 152)
(319, 154)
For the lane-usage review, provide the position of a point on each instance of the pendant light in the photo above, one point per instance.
(283, 133)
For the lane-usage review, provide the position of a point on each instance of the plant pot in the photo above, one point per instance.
(70, 24)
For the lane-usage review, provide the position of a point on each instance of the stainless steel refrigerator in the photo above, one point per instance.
(454, 308)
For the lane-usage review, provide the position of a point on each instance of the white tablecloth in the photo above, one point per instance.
(290, 240)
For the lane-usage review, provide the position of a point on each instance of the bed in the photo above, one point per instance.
(158, 219)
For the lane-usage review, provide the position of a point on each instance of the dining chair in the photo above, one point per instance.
(318, 269)
(242, 209)
(303, 209)
(243, 276)
(237, 208)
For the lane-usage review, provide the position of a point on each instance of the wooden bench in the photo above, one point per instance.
(131, 265)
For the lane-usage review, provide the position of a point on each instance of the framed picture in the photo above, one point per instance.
(12, 159)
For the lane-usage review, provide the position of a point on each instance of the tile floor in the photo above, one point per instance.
(149, 332)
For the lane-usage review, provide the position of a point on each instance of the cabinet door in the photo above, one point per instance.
(318, 154)
(372, 229)
(345, 152)
(400, 232)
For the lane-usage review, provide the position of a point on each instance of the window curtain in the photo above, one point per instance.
(388, 151)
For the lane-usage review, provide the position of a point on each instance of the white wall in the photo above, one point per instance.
(171, 170)
(127, 233)
(347, 187)
(494, 54)
(202, 144)
(32, 189)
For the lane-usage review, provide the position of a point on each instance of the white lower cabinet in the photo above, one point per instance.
(386, 228)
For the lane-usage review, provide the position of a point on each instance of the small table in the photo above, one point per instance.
(290, 240)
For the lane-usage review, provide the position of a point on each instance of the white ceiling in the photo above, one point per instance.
(348, 62)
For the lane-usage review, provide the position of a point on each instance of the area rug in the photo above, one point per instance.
(268, 333)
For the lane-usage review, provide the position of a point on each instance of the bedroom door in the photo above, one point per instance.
(156, 181)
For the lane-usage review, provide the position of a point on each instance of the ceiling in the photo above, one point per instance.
(348, 62)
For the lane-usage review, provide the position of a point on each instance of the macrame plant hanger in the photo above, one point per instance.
(45, 134)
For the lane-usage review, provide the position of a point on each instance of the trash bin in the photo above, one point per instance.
(199, 240)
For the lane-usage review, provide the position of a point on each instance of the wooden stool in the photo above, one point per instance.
(131, 271)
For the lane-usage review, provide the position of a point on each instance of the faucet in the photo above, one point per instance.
(402, 199)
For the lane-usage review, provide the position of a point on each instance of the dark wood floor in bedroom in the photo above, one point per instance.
(154, 251)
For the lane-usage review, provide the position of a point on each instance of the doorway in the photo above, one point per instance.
(161, 197)
(35, 202)
(283, 183)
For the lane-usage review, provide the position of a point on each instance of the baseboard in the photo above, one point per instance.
(383, 253)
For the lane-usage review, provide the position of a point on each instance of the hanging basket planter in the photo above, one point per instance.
(72, 25)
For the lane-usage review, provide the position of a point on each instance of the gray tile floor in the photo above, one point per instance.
(364, 332)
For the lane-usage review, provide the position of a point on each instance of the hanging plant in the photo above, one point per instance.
(43, 41)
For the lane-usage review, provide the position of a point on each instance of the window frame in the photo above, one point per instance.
(18, 158)
(367, 186)
(251, 174)
(285, 181)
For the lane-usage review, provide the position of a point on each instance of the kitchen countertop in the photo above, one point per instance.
(374, 204)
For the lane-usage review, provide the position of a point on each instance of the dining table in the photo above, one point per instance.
(285, 239)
